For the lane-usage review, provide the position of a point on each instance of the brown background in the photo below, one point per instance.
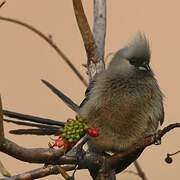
(25, 59)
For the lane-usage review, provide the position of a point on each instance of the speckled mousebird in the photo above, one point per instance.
(125, 101)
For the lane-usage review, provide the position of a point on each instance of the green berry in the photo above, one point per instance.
(70, 140)
(78, 136)
(63, 135)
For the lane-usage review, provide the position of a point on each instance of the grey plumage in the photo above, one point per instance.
(125, 101)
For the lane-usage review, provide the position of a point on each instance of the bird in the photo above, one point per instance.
(124, 101)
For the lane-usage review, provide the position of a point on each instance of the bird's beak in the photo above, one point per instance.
(144, 67)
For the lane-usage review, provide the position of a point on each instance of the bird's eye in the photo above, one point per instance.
(132, 61)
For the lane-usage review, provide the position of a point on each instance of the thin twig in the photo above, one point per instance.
(62, 96)
(30, 124)
(64, 173)
(1, 123)
(131, 172)
(140, 171)
(99, 29)
(51, 43)
(4, 171)
(2, 4)
(172, 154)
(35, 174)
(39, 131)
(31, 118)
(88, 39)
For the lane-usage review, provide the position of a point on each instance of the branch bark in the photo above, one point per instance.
(1, 123)
(34, 119)
(88, 39)
(99, 29)
(2, 4)
(4, 171)
(62, 96)
(140, 172)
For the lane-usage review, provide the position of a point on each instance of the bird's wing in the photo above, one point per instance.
(161, 118)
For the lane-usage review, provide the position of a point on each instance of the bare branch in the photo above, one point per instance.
(99, 29)
(2, 4)
(31, 118)
(90, 161)
(50, 42)
(32, 155)
(172, 154)
(39, 131)
(88, 39)
(3, 170)
(62, 96)
(43, 172)
(1, 123)
(64, 173)
(37, 173)
(31, 124)
(140, 172)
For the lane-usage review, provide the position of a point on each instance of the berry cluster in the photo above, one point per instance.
(74, 129)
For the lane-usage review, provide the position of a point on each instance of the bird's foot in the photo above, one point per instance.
(157, 138)
(77, 151)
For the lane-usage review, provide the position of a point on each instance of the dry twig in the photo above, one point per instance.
(140, 172)
(88, 39)
(4, 171)
(62, 96)
(2, 4)
(50, 42)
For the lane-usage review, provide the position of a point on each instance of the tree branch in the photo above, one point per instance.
(88, 39)
(31, 155)
(31, 124)
(90, 161)
(3, 170)
(99, 29)
(62, 96)
(2, 4)
(39, 131)
(1, 123)
(37, 173)
(42, 129)
(50, 42)
(140, 172)
(31, 118)
(43, 172)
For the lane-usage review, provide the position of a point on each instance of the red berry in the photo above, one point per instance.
(58, 142)
(93, 132)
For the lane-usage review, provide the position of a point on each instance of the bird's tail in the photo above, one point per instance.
(124, 163)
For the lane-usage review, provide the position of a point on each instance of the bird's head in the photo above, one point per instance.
(133, 57)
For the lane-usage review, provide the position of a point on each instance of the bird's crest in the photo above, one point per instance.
(137, 48)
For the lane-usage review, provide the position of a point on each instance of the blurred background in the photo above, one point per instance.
(25, 59)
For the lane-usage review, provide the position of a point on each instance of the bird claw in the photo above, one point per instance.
(76, 151)
(157, 139)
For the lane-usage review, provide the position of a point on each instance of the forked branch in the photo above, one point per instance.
(93, 57)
